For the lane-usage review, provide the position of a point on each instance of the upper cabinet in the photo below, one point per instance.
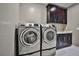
(56, 14)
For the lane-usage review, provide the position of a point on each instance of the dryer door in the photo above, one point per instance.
(49, 35)
(30, 37)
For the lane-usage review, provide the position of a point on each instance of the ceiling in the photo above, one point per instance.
(65, 5)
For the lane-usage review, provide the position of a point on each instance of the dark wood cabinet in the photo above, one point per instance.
(63, 40)
(56, 14)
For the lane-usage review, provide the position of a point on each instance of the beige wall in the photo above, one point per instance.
(9, 16)
(73, 17)
(33, 13)
(38, 15)
(73, 23)
(60, 27)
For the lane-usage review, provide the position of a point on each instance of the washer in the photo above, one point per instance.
(28, 39)
(48, 40)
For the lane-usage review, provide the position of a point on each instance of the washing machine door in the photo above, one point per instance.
(30, 37)
(49, 35)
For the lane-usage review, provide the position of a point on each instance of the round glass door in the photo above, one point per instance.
(30, 37)
(49, 35)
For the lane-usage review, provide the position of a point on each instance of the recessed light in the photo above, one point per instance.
(32, 9)
(53, 9)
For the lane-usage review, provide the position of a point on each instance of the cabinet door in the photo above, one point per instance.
(64, 40)
(56, 14)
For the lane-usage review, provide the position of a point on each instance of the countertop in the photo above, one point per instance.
(64, 32)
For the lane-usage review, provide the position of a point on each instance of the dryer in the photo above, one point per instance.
(27, 37)
(48, 40)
